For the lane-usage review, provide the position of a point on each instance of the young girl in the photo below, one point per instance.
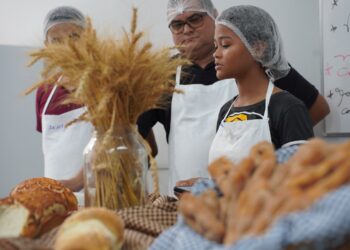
(249, 49)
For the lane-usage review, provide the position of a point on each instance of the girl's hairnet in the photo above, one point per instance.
(258, 31)
(176, 7)
(64, 14)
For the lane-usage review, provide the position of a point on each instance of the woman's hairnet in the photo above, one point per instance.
(176, 7)
(258, 31)
(63, 14)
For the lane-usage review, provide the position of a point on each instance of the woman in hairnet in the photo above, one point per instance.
(249, 48)
(62, 147)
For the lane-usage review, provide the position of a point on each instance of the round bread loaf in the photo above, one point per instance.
(44, 191)
(91, 228)
(36, 206)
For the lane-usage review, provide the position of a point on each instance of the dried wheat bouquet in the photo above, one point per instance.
(116, 80)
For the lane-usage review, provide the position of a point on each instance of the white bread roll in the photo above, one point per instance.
(89, 229)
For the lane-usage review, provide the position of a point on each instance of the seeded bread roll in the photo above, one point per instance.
(34, 207)
(91, 228)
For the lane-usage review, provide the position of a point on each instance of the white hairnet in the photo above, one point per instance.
(63, 14)
(176, 7)
(257, 30)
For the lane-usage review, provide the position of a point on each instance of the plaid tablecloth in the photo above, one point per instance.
(145, 223)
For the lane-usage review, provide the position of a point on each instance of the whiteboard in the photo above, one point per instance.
(335, 30)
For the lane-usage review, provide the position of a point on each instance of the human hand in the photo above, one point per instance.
(188, 182)
(75, 183)
(184, 183)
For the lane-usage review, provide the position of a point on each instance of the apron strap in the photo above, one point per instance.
(51, 95)
(49, 98)
(292, 143)
(267, 99)
(178, 75)
(228, 111)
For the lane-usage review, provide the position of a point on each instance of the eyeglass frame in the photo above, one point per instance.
(201, 14)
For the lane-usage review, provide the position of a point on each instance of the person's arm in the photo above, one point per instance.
(319, 110)
(152, 143)
(145, 123)
(76, 183)
(301, 88)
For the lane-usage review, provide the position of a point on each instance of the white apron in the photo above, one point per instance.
(63, 147)
(194, 116)
(235, 139)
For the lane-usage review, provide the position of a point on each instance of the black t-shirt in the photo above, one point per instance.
(194, 74)
(289, 119)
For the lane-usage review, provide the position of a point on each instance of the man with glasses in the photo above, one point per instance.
(189, 120)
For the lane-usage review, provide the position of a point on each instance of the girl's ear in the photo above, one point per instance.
(259, 48)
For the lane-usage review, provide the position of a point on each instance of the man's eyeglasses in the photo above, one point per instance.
(194, 21)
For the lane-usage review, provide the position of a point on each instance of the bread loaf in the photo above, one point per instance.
(91, 228)
(13, 218)
(34, 207)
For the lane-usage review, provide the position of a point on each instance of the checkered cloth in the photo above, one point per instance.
(326, 225)
(142, 225)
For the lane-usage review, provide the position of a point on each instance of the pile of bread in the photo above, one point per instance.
(257, 191)
(37, 205)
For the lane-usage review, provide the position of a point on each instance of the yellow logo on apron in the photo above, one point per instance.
(237, 118)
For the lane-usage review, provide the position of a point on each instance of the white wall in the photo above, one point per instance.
(21, 22)
(20, 145)
(21, 25)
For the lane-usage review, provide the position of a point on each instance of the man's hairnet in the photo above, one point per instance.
(63, 14)
(258, 31)
(177, 7)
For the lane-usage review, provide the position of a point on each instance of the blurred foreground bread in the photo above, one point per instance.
(91, 228)
(257, 191)
(34, 207)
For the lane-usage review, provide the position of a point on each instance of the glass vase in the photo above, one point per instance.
(115, 169)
